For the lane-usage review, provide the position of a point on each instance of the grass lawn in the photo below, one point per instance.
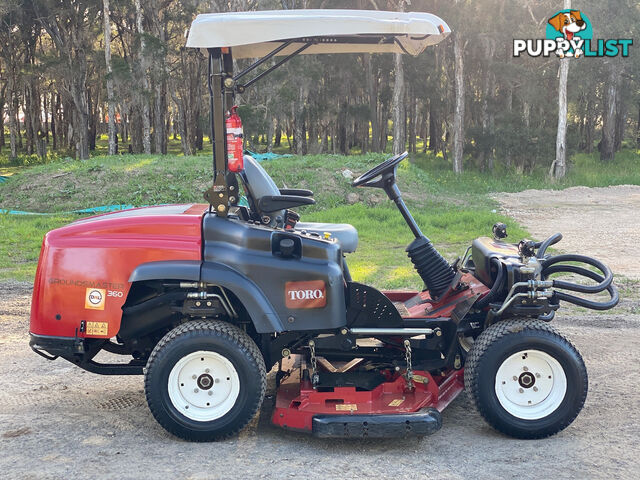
(450, 210)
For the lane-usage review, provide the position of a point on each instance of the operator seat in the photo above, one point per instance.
(260, 184)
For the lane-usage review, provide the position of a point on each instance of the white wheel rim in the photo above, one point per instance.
(203, 386)
(530, 384)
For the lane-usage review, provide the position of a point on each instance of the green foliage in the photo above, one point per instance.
(450, 209)
(26, 160)
(20, 243)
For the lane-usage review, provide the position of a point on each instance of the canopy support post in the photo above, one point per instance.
(218, 195)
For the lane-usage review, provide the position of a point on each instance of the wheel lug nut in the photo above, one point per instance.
(537, 375)
(525, 369)
(515, 379)
(210, 393)
(206, 370)
(195, 390)
(521, 390)
(194, 376)
(535, 389)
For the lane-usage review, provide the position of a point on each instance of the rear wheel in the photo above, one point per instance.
(526, 379)
(205, 380)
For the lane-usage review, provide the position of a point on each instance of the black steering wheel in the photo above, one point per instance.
(386, 171)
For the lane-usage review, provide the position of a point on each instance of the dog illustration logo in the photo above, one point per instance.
(569, 34)
(571, 26)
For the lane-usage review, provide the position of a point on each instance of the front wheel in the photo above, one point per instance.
(525, 379)
(205, 380)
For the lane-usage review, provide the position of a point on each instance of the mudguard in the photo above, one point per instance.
(170, 269)
(262, 313)
(264, 317)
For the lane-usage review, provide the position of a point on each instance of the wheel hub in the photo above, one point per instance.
(203, 386)
(205, 381)
(527, 380)
(530, 384)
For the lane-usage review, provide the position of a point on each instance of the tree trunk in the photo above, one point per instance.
(2, 103)
(398, 107)
(144, 101)
(638, 128)
(621, 115)
(413, 112)
(160, 105)
(372, 87)
(13, 127)
(270, 126)
(487, 91)
(607, 145)
(111, 107)
(278, 135)
(433, 127)
(299, 131)
(55, 108)
(559, 165)
(458, 115)
(589, 127)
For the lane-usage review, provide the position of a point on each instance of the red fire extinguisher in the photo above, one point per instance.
(233, 123)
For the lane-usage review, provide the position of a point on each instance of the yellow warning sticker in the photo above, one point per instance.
(97, 328)
(420, 379)
(397, 402)
(94, 298)
(346, 407)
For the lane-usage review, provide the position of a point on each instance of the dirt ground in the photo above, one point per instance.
(57, 421)
(599, 222)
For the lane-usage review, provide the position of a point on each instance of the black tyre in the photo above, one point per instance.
(525, 379)
(205, 380)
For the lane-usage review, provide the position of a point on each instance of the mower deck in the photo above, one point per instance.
(391, 409)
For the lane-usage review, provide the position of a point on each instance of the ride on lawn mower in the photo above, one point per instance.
(204, 299)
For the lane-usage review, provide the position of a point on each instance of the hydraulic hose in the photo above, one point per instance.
(610, 288)
(604, 281)
(542, 246)
(498, 283)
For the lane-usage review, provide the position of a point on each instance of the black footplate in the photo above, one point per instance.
(424, 422)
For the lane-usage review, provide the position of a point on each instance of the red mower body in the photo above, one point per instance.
(84, 267)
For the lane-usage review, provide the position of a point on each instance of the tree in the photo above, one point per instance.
(70, 27)
(109, 80)
(607, 145)
(143, 98)
(458, 116)
(559, 165)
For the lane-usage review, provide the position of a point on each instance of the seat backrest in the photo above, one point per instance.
(260, 184)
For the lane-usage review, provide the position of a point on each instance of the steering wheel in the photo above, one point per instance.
(386, 171)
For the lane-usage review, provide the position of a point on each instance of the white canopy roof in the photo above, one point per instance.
(255, 34)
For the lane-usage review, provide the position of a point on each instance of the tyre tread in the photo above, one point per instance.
(197, 328)
(475, 357)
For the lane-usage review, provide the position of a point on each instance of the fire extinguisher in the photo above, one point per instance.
(233, 123)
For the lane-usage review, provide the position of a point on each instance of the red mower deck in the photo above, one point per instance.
(390, 409)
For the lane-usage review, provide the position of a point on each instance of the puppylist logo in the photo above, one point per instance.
(569, 34)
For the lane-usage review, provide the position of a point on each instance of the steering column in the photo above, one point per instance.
(434, 270)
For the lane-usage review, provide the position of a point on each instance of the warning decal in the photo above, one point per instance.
(347, 407)
(97, 328)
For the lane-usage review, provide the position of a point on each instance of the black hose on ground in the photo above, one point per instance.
(610, 288)
(604, 281)
(498, 283)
